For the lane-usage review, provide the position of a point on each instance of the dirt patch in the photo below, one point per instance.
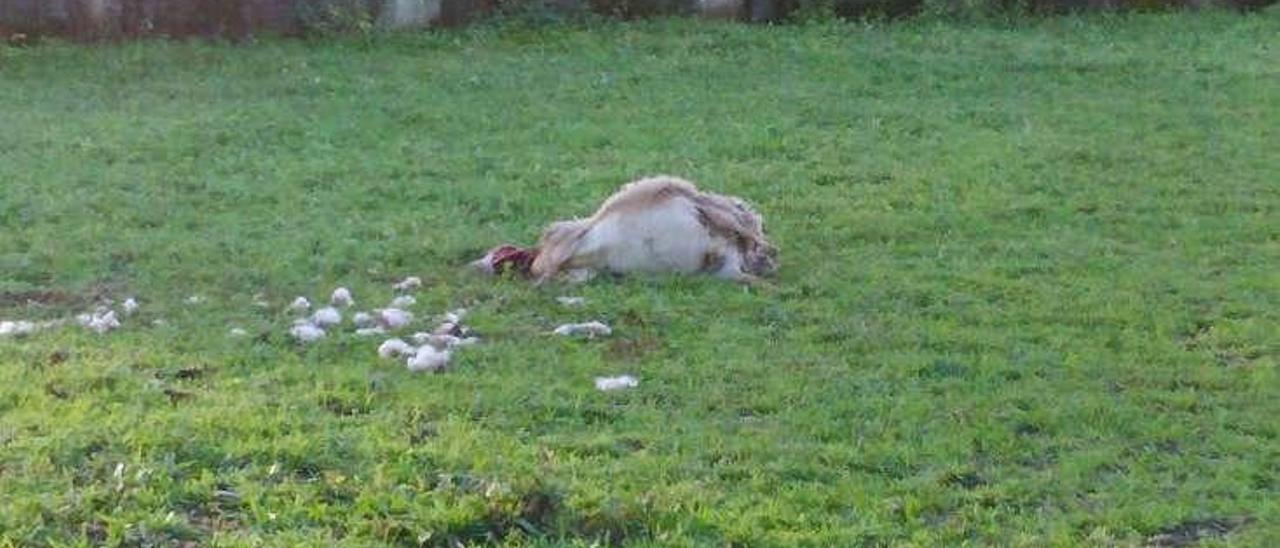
(964, 480)
(14, 299)
(633, 348)
(58, 300)
(1191, 532)
(177, 396)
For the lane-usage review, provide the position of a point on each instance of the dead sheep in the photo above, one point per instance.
(657, 224)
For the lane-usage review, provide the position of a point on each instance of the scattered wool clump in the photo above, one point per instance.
(571, 301)
(392, 348)
(448, 329)
(409, 284)
(443, 342)
(300, 304)
(394, 318)
(606, 384)
(364, 320)
(450, 333)
(341, 297)
(260, 301)
(101, 321)
(370, 331)
(17, 328)
(403, 301)
(129, 306)
(428, 358)
(195, 299)
(590, 329)
(327, 317)
(237, 332)
(306, 332)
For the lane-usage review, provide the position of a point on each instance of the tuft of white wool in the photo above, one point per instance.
(447, 328)
(408, 284)
(237, 332)
(571, 301)
(392, 348)
(456, 315)
(195, 299)
(300, 304)
(306, 332)
(341, 297)
(129, 306)
(590, 329)
(327, 317)
(428, 358)
(17, 328)
(394, 318)
(101, 322)
(370, 331)
(621, 382)
(403, 301)
(442, 342)
(260, 300)
(364, 319)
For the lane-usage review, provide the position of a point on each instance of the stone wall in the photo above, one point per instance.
(98, 19)
(232, 18)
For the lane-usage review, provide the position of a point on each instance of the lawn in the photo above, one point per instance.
(1030, 287)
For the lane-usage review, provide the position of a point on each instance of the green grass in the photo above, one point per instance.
(1030, 291)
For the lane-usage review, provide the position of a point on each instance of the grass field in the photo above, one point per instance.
(1030, 291)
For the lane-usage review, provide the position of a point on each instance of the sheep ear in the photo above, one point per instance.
(723, 220)
(559, 243)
